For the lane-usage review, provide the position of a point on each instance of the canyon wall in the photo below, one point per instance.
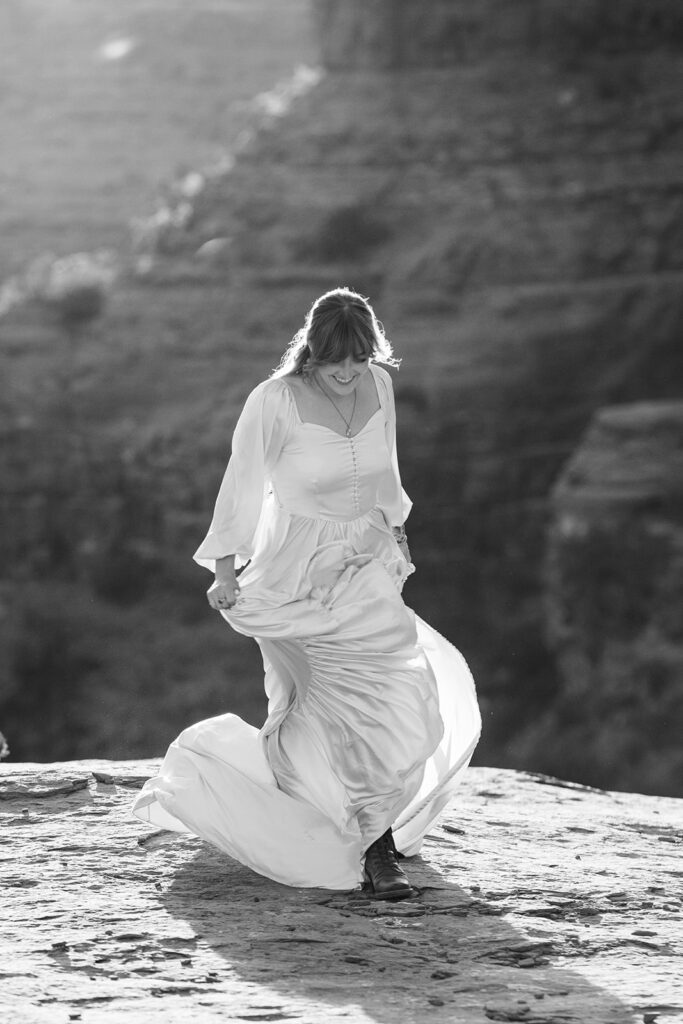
(502, 179)
(614, 575)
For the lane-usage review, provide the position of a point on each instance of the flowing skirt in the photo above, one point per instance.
(372, 716)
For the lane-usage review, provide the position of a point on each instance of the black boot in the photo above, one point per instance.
(383, 872)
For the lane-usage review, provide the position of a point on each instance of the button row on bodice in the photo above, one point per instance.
(355, 485)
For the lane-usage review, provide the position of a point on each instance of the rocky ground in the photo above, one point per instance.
(538, 901)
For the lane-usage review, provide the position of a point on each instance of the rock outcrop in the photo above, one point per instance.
(615, 596)
(538, 901)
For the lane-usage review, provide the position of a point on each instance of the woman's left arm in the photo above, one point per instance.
(394, 501)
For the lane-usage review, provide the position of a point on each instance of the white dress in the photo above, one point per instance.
(372, 715)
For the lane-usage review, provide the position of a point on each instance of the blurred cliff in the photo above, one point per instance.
(503, 181)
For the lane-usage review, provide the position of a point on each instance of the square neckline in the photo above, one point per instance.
(323, 426)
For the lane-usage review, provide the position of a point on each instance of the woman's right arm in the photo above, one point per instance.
(225, 589)
(257, 441)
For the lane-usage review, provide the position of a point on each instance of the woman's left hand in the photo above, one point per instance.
(402, 541)
(405, 551)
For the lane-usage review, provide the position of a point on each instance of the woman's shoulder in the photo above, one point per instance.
(385, 385)
(381, 373)
(271, 397)
(270, 388)
(289, 381)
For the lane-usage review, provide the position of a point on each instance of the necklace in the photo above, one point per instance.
(347, 423)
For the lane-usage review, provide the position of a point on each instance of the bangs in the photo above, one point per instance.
(344, 339)
(339, 324)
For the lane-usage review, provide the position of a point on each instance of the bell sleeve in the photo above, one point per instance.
(256, 443)
(393, 500)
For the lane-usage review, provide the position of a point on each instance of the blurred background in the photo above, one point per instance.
(503, 180)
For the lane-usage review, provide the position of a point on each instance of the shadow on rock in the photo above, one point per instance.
(448, 954)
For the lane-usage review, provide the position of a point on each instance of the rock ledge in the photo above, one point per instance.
(539, 901)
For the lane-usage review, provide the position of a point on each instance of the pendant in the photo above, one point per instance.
(348, 431)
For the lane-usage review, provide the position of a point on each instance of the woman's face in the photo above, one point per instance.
(344, 377)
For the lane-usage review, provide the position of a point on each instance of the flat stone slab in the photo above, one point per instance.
(538, 901)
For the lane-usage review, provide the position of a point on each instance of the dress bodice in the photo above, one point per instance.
(322, 474)
(312, 470)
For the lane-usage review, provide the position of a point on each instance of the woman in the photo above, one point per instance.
(372, 716)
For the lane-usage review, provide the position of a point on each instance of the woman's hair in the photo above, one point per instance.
(340, 323)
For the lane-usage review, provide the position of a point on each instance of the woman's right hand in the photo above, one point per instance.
(223, 593)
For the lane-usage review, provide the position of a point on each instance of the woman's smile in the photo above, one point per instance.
(344, 377)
